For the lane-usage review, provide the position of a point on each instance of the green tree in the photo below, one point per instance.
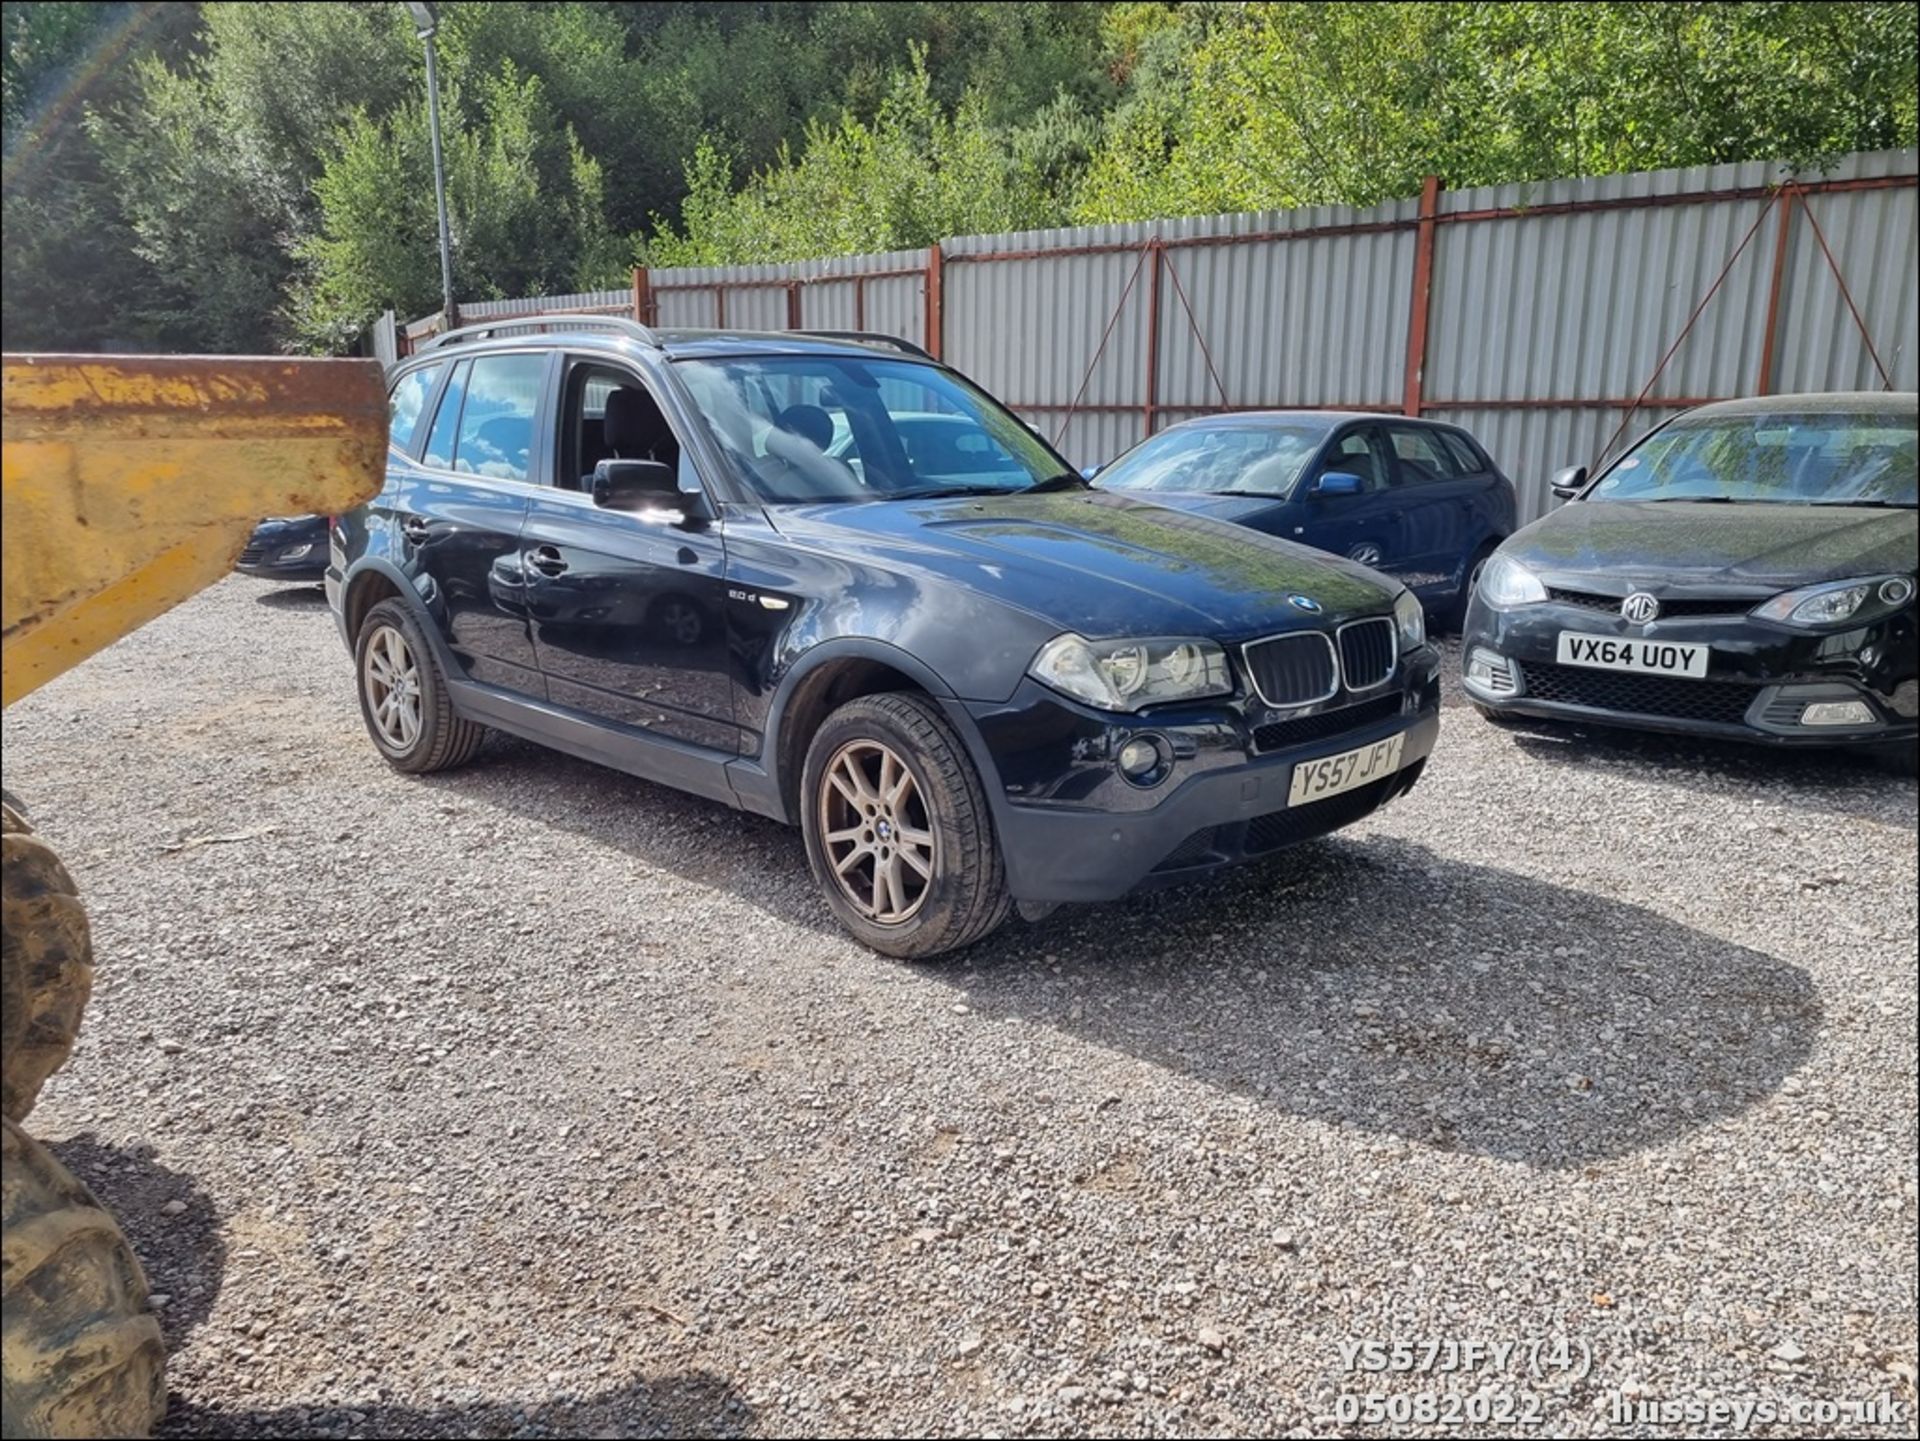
(524, 200)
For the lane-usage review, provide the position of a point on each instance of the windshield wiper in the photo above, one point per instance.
(942, 492)
(1876, 504)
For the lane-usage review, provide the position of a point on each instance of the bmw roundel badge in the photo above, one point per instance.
(1304, 602)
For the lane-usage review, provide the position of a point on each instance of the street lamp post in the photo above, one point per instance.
(424, 24)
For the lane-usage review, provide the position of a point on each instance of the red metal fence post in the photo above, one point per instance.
(936, 262)
(642, 295)
(1422, 292)
(1155, 250)
(1780, 241)
(793, 305)
(860, 302)
(720, 307)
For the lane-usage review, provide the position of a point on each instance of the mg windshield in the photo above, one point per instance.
(1779, 459)
(1219, 460)
(806, 429)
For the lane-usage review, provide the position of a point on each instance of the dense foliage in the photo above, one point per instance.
(244, 176)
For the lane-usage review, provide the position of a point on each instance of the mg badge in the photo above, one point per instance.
(1304, 602)
(1640, 608)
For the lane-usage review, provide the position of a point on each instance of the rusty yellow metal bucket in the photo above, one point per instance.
(131, 482)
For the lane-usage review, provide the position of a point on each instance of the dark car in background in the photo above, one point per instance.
(753, 568)
(1416, 500)
(290, 548)
(1747, 570)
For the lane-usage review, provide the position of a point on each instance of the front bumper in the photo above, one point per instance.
(1759, 682)
(290, 550)
(1072, 828)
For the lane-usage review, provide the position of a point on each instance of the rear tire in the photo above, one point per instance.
(404, 698)
(82, 1354)
(46, 965)
(1456, 616)
(898, 831)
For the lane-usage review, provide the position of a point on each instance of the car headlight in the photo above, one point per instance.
(1838, 602)
(1410, 620)
(1132, 674)
(1506, 582)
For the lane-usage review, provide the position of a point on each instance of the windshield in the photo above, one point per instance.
(1218, 460)
(804, 429)
(1779, 459)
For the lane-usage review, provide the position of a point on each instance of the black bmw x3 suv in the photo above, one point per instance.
(719, 561)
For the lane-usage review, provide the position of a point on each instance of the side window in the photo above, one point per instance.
(1360, 452)
(610, 414)
(1423, 457)
(1470, 461)
(446, 421)
(496, 423)
(404, 405)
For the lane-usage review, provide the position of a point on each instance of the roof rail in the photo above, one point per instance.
(869, 337)
(560, 319)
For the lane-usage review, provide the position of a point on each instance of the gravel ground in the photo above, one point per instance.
(536, 1100)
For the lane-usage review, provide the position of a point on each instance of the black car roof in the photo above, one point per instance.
(1308, 419)
(1820, 402)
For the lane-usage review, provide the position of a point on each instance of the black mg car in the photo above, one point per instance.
(1746, 570)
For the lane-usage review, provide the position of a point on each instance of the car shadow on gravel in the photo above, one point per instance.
(1843, 785)
(1376, 984)
(181, 1250)
(293, 597)
(692, 1404)
(1367, 981)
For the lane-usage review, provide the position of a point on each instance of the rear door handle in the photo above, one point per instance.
(547, 560)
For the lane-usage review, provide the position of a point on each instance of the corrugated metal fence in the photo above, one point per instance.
(1541, 317)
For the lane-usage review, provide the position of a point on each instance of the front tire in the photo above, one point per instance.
(404, 698)
(46, 965)
(898, 831)
(82, 1354)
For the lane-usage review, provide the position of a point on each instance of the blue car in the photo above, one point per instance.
(1419, 501)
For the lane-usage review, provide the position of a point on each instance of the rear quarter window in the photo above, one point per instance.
(1470, 461)
(406, 404)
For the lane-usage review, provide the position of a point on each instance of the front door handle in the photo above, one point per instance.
(416, 529)
(547, 560)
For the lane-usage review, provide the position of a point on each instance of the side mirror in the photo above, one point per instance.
(1569, 482)
(637, 485)
(1088, 472)
(1338, 482)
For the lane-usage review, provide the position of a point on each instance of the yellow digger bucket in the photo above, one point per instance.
(132, 482)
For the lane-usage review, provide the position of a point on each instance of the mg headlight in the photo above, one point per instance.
(1506, 582)
(1132, 674)
(1838, 602)
(1410, 620)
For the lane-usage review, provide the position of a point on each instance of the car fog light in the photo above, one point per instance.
(1139, 758)
(1837, 713)
(1490, 673)
(1897, 591)
(296, 552)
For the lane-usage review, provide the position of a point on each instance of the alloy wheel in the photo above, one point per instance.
(877, 835)
(393, 688)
